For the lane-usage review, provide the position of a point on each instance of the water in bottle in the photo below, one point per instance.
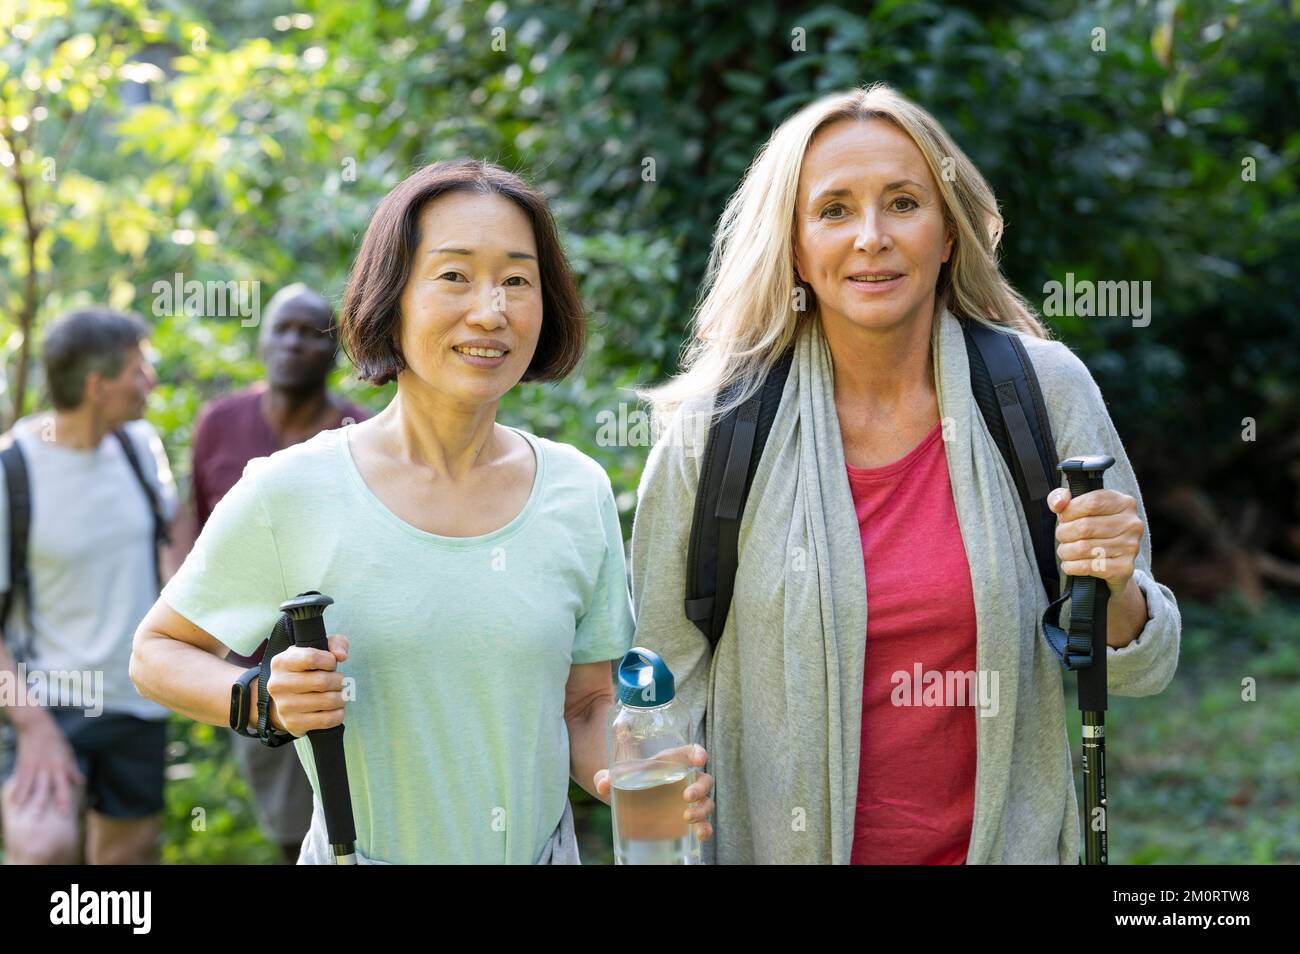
(649, 747)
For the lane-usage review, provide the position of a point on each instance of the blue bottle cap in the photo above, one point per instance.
(644, 679)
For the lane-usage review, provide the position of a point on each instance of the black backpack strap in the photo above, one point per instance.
(160, 535)
(1005, 385)
(19, 498)
(731, 456)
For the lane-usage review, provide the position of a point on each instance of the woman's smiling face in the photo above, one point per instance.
(869, 225)
(472, 306)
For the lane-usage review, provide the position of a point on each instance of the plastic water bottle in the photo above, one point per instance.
(649, 747)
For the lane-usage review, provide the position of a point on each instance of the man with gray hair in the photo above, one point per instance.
(298, 345)
(85, 506)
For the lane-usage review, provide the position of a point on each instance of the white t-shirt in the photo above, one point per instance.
(90, 560)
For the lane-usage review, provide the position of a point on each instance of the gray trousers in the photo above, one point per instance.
(281, 790)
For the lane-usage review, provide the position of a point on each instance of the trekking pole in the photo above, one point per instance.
(1089, 598)
(307, 612)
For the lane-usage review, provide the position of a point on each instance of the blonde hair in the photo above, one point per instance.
(747, 315)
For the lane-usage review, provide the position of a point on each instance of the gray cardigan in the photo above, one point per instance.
(779, 704)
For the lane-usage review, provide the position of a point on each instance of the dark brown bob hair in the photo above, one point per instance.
(371, 313)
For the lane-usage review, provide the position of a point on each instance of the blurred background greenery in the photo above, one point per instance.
(249, 140)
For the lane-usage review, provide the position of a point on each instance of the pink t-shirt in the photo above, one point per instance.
(916, 775)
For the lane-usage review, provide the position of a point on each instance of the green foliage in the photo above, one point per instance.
(209, 816)
(260, 136)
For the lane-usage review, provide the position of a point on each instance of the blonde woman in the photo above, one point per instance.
(883, 540)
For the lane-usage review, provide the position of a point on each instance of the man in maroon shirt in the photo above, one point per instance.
(298, 346)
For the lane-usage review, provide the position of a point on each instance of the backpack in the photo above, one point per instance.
(19, 497)
(1004, 385)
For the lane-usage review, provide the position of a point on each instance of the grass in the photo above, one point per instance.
(1199, 774)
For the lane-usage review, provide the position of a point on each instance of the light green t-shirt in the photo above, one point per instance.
(460, 647)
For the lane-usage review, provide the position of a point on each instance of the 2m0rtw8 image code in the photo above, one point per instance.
(1146, 897)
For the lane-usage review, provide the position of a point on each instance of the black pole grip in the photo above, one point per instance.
(308, 624)
(1089, 596)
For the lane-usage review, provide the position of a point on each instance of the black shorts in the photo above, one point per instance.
(120, 756)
